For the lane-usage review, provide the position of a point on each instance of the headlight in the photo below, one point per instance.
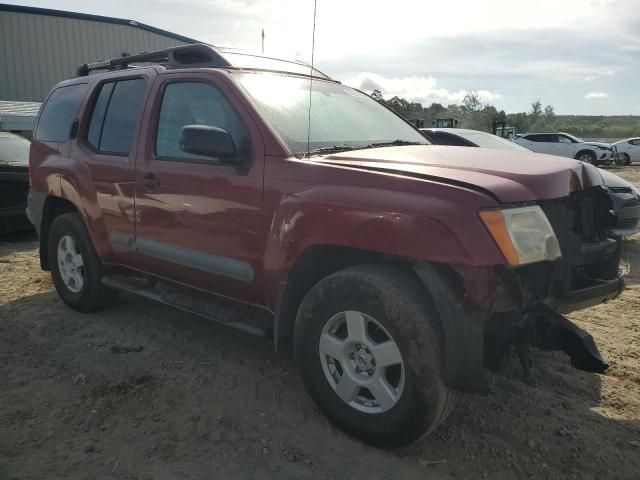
(524, 234)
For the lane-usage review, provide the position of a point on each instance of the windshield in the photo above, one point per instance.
(14, 150)
(341, 117)
(488, 140)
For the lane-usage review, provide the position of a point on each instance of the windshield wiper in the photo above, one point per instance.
(347, 148)
(394, 143)
(332, 149)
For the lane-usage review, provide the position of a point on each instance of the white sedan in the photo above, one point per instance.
(628, 151)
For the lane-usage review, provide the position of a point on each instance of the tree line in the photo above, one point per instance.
(475, 114)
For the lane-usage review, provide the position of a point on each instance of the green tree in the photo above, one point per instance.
(536, 108)
(377, 95)
(549, 112)
(471, 101)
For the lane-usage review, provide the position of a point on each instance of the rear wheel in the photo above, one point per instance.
(75, 267)
(370, 354)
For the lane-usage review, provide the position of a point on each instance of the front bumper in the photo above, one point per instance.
(626, 207)
(601, 292)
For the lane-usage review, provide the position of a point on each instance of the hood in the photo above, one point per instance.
(507, 175)
(597, 144)
(613, 181)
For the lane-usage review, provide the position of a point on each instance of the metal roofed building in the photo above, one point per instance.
(40, 47)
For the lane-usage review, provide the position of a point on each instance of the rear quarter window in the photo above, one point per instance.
(59, 112)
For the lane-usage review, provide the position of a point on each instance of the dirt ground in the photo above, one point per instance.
(200, 401)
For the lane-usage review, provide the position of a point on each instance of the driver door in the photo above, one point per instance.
(198, 220)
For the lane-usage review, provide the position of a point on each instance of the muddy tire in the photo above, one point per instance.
(370, 351)
(75, 267)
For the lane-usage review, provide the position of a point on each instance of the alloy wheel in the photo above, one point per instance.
(362, 362)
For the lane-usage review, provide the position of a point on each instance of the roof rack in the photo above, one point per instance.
(194, 55)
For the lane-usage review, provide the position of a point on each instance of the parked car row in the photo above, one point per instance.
(624, 196)
(566, 145)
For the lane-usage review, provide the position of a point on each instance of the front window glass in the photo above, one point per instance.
(574, 138)
(192, 103)
(340, 116)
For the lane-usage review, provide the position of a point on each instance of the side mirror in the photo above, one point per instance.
(209, 142)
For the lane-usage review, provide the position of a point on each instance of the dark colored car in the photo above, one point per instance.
(14, 182)
(396, 268)
(625, 198)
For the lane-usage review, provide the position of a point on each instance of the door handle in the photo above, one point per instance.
(150, 181)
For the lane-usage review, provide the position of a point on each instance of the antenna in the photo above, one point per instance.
(313, 49)
(263, 41)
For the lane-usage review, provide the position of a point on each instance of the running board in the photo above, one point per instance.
(241, 317)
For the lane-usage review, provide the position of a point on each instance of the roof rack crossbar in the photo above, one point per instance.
(194, 55)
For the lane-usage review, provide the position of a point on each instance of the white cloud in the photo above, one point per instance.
(606, 73)
(592, 95)
(416, 89)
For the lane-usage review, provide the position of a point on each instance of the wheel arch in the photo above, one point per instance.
(314, 264)
(53, 208)
(460, 324)
(586, 150)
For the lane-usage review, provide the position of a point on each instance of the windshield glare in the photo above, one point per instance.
(340, 116)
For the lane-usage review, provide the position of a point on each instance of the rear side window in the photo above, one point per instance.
(191, 103)
(444, 138)
(539, 138)
(115, 115)
(59, 112)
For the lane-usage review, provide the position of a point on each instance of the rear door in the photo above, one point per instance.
(540, 143)
(563, 146)
(106, 147)
(199, 220)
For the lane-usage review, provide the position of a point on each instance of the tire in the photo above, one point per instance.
(627, 159)
(76, 274)
(388, 298)
(622, 159)
(587, 156)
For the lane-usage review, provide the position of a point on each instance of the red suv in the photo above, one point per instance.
(266, 196)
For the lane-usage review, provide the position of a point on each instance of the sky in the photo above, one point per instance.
(581, 56)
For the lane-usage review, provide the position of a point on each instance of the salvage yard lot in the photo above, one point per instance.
(202, 401)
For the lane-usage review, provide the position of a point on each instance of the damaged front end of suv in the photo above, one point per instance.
(561, 257)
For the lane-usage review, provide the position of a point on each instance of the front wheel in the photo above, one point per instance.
(75, 267)
(369, 349)
(587, 157)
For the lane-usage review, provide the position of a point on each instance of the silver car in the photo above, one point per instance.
(628, 151)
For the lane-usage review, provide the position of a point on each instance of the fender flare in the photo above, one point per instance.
(462, 327)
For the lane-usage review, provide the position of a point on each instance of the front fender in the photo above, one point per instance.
(401, 224)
